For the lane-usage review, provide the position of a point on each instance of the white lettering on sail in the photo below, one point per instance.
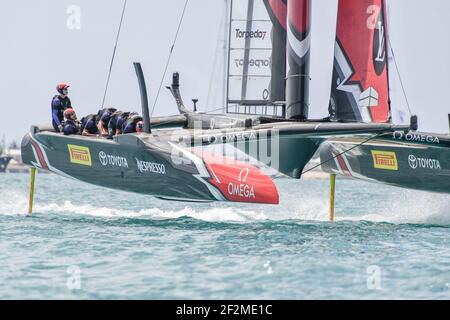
(373, 11)
(381, 52)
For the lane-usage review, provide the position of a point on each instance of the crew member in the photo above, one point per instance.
(140, 126)
(104, 118)
(89, 125)
(130, 125)
(60, 103)
(71, 124)
(116, 122)
(121, 121)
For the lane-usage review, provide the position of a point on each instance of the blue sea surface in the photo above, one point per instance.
(86, 242)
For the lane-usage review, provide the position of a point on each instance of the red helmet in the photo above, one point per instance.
(70, 114)
(139, 126)
(62, 86)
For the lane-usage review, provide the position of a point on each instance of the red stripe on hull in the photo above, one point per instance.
(40, 155)
(343, 166)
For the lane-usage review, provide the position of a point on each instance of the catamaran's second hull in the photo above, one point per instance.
(414, 160)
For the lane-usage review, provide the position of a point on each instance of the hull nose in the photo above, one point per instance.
(26, 150)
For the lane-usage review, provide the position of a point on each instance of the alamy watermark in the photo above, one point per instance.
(226, 146)
(373, 277)
(73, 17)
(73, 281)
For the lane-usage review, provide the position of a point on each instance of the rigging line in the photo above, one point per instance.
(344, 152)
(214, 110)
(213, 71)
(400, 78)
(169, 57)
(114, 52)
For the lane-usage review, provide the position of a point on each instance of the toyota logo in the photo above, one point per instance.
(103, 158)
(413, 163)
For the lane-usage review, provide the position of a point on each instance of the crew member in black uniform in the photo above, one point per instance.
(104, 118)
(116, 122)
(130, 125)
(140, 126)
(89, 125)
(71, 124)
(60, 103)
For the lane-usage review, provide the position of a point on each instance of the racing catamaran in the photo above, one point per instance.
(216, 157)
(360, 92)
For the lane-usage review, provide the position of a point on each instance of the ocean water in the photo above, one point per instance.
(86, 242)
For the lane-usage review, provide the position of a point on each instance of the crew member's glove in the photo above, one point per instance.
(61, 128)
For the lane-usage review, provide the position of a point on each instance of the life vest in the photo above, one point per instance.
(71, 127)
(116, 122)
(130, 125)
(85, 120)
(65, 103)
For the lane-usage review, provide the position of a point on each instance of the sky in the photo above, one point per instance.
(44, 43)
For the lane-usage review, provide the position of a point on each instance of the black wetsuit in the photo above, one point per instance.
(116, 122)
(130, 125)
(71, 127)
(89, 123)
(105, 116)
(59, 105)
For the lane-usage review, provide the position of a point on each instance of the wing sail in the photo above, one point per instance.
(360, 85)
(255, 84)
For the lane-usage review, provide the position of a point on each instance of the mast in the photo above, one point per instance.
(277, 10)
(228, 57)
(226, 43)
(247, 50)
(387, 50)
(298, 58)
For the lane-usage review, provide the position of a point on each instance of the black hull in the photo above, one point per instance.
(4, 161)
(417, 160)
(184, 164)
(152, 165)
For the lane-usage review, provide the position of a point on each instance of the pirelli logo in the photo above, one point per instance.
(80, 155)
(385, 160)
